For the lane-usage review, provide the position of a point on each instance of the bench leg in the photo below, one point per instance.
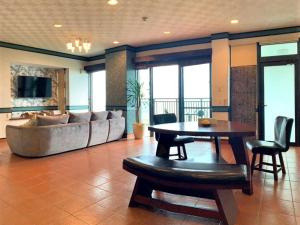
(140, 188)
(227, 206)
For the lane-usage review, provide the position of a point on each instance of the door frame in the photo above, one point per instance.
(278, 61)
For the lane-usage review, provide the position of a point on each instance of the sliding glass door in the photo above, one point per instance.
(180, 89)
(165, 89)
(196, 91)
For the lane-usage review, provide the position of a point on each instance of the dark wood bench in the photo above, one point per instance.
(212, 181)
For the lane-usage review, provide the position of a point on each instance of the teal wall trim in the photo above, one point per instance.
(27, 108)
(33, 108)
(40, 50)
(5, 110)
(120, 48)
(220, 108)
(77, 107)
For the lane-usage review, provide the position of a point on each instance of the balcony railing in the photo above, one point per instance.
(171, 105)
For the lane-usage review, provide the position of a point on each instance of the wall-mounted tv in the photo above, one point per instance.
(34, 87)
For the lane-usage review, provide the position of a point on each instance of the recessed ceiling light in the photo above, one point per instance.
(57, 25)
(167, 32)
(234, 21)
(112, 2)
(116, 42)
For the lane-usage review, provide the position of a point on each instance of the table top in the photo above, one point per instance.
(222, 128)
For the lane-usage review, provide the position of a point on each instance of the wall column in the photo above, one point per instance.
(119, 69)
(220, 76)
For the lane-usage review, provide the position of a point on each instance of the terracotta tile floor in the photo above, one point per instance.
(89, 187)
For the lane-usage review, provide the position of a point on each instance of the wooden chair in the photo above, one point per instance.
(178, 140)
(281, 143)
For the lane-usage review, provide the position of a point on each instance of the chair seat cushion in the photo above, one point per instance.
(263, 147)
(187, 171)
(183, 140)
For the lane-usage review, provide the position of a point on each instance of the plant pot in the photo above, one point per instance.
(138, 130)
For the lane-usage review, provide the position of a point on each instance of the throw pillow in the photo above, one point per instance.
(30, 123)
(115, 114)
(52, 120)
(80, 117)
(99, 115)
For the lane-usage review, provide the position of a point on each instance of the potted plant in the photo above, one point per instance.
(135, 96)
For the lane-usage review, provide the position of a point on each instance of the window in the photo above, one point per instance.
(279, 49)
(98, 91)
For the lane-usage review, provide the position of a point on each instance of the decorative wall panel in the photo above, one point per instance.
(24, 70)
(243, 92)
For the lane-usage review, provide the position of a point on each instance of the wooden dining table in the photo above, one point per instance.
(236, 132)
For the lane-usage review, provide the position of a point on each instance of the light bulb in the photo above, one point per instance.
(89, 45)
(69, 46)
(112, 2)
(77, 42)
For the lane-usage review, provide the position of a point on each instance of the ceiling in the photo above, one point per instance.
(30, 22)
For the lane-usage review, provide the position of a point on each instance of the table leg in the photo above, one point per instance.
(241, 157)
(164, 144)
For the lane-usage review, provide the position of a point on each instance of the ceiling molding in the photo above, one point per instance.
(41, 51)
(120, 48)
(173, 44)
(96, 57)
(220, 36)
(261, 33)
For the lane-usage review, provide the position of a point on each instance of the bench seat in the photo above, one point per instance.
(185, 171)
(212, 181)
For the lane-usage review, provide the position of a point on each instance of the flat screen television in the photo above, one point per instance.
(34, 87)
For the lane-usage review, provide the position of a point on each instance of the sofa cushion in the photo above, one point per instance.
(99, 115)
(52, 120)
(115, 114)
(80, 117)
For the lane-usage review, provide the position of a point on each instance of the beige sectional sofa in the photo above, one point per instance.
(81, 131)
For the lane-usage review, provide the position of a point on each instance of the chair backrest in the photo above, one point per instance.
(282, 131)
(163, 118)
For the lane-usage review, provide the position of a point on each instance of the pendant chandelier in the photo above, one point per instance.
(78, 45)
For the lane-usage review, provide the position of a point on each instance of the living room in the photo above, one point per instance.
(216, 66)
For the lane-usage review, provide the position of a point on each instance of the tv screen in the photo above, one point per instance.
(34, 87)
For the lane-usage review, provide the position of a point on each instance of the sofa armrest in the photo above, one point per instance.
(116, 129)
